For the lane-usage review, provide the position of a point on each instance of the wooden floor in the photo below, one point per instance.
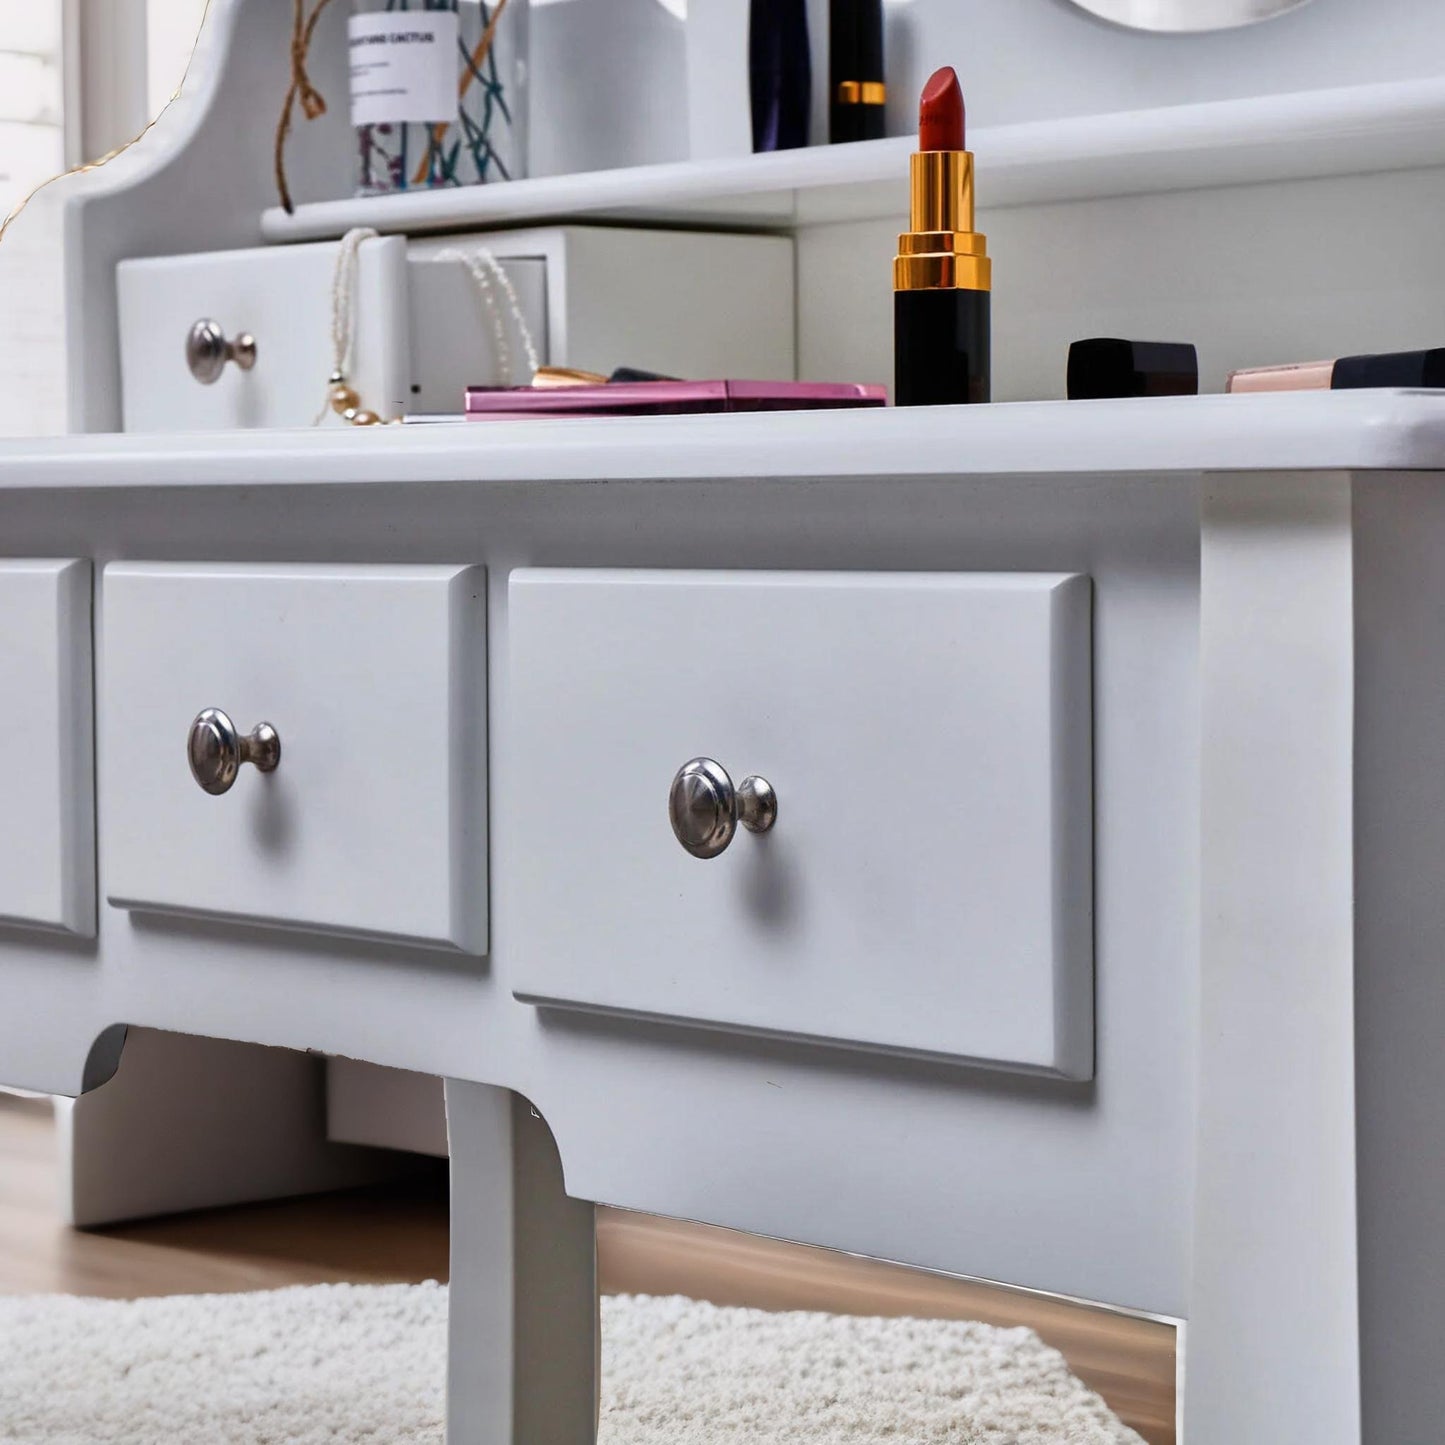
(399, 1233)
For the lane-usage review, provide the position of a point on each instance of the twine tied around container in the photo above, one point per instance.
(313, 103)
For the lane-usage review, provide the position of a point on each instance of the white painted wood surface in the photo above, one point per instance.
(375, 820)
(1100, 1211)
(1141, 437)
(454, 331)
(1394, 125)
(1154, 1185)
(1165, 1182)
(590, 297)
(928, 885)
(1399, 920)
(284, 300)
(1272, 1341)
(189, 1123)
(523, 1335)
(599, 297)
(47, 789)
(385, 1108)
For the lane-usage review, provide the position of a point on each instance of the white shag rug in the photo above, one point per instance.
(347, 1363)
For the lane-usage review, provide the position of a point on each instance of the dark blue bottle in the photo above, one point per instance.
(780, 70)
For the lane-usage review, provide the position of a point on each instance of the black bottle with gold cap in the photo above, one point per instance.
(855, 70)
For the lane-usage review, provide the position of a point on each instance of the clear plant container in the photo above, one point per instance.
(438, 93)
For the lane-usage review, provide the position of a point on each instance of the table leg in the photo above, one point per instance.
(523, 1333)
(1272, 1341)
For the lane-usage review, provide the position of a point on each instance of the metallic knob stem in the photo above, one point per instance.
(705, 809)
(208, 351)
(216, 750)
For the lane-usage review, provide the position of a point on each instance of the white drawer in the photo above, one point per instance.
(47, 799)
(927, 887)
(281, 296)
(685, 303)
(374, 821)
(591, 297)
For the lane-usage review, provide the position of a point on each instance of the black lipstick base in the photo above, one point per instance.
(940, 347)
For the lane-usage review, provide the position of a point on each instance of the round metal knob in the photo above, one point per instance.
(208, 351)
(706, 809)
(216, 750)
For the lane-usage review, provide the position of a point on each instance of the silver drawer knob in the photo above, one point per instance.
(216, 750)
(208, 351)
(706, 809)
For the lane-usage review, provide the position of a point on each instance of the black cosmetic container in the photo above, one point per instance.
(780, 73)
(944, 355)
(1392, 368)
(856, 91)
(1108, 366)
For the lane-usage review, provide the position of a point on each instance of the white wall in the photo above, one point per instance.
(1043, 59)
(32, 354)
(1033, 59)
(32, 147)
(33, 126)
(1251, 274)
(171, 30)
(608, 84)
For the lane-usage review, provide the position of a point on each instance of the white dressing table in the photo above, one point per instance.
(1101, 962)
(1095, 947)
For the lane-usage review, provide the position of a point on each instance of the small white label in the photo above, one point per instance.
(403, 66)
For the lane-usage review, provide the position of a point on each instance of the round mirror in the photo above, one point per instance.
(1182, 15)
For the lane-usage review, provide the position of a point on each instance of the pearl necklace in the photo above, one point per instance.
(494, 288)
(341, 396)
(489, 278)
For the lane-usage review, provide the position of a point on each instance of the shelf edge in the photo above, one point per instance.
(1393, 126)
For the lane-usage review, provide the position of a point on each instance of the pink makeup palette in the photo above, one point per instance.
(665, 398)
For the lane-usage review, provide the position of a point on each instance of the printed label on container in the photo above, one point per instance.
(403, 66)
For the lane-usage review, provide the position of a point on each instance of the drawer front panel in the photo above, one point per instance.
(927, 887)
(431, 318)
(281, 296)
(374, 819)
(47, 797)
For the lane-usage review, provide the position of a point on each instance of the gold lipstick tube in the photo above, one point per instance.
(942, 279)
(940, 249)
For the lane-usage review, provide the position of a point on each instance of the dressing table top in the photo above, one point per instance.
(1301, 431)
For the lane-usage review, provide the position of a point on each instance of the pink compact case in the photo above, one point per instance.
(664, 398)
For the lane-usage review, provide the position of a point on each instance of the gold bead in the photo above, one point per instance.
(362, 418)
(343, 399)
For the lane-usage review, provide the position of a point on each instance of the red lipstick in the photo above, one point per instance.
(940, 112)
(942, 274)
